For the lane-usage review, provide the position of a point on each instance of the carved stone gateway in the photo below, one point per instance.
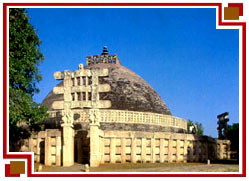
(81, 90)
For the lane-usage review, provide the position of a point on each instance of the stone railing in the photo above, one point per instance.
(110, 59)
(122, 116)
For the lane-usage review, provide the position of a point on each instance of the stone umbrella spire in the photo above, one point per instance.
(103, 58)
(105, 51)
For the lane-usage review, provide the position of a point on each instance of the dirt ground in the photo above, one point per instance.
(147, 167)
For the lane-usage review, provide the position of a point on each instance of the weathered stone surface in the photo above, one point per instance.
(130, 127)
(128, 91)
(139, 127)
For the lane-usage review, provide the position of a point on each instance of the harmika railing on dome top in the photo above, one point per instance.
(110, 59)
(122, 116)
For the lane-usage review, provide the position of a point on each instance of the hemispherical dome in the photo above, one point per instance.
(128, 91)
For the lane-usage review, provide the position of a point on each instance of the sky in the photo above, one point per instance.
(193, 66)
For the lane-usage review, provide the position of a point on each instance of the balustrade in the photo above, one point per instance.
(121, 116)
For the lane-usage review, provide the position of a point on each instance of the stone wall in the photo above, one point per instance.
(127, 146)
(223, 147)
(137, 147)
(47, 147)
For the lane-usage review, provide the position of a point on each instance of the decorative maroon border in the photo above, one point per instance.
(29, 156)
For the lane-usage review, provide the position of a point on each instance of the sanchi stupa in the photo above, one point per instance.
(105, 113)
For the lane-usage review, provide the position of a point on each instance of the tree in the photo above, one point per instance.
(233, 136)
(199, 127)
(25, 115)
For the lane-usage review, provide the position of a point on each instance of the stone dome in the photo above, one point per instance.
(128, 91)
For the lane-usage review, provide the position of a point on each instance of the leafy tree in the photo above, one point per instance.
(25, 115)
(233, 136)
(199, 127)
